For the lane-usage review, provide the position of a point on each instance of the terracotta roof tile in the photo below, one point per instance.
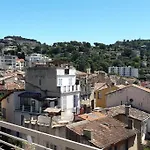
(133, 112)
(105, 131)
(92, 116)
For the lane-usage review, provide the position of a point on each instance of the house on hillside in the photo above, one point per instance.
(20, 64)
(8, 62)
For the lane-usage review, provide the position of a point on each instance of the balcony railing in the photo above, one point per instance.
(40, 140)
(31, 109)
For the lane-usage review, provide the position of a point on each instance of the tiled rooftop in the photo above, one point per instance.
(133, 112)
(105, 131)
(92, 116)
(132, 85)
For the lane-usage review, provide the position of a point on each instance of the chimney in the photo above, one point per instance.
(87, 133)
(127, 107)
(128, 122)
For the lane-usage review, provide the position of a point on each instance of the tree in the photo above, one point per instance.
(127, 53)
(117, 63)
(37, 49)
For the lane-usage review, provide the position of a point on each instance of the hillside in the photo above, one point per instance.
(134, 53)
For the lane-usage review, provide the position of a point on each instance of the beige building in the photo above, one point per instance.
(137, 95)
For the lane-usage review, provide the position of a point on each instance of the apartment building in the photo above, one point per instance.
(8, 62)
(57, 85)
(124, 71)
(35, 58)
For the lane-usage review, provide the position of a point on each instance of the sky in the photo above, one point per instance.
(49, 21)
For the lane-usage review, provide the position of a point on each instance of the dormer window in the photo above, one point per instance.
(66, 71)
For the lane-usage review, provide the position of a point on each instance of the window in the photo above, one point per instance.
(94, 95)
(124, 71)
(68, 88)
(77, 82)
(75, 101)
(64, 88)
(73, 88)
(99, 95)
(130, 72)
(76, 87)
(66, 71)
(59, 81)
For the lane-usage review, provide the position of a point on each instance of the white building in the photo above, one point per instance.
(57, 85)
(124, 71)
(8, 62)
(20, 64)
(35, 58)
(46, 87)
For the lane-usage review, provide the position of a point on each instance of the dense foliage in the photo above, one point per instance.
(98, 56)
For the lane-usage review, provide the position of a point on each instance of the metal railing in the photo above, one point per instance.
(39, 140)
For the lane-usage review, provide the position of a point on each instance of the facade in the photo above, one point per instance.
(35, 58)
(85, 86)
(100, 98)
(8, 62)
(105, 133)
(20, 64)
(10, 104)
(57, 85)
(124, 71)
(137, 95)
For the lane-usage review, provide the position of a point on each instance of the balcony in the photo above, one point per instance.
(39, 140)
(29, 109)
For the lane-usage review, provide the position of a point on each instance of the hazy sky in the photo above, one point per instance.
(82, 20)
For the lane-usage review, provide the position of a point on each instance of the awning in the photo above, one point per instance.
(52, 110)
(51, 98)
(30, 95)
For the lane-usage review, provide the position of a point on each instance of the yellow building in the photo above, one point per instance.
(99, 95)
